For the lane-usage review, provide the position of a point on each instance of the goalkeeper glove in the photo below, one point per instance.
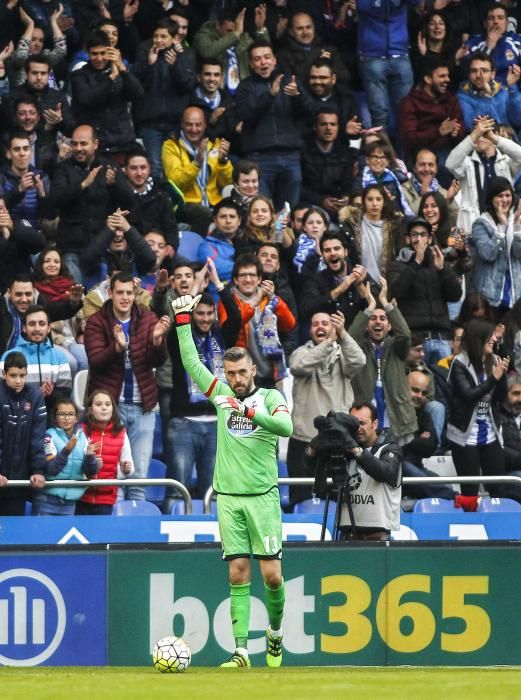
(230, 403)
(183, 307)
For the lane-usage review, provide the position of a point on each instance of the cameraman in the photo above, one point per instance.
(375, 493)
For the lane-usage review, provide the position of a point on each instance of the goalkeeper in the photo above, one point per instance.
(249, 421)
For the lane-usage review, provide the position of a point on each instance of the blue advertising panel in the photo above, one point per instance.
(53, 609)
(204, 528)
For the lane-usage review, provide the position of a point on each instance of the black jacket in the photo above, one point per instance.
(268, 121)
(325, 174)
(16, 251)
(420, 447)
(422, 291)
(83, 212)
(153, 210)
(316, 296)
(166, 89)
(48, 98)
(103, 103)
(296, 59)
(342, 101)
(466, 394)
(138, 253)
(511, 439)
(23, 421)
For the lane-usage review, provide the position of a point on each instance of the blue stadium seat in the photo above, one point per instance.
(498, 505)
(284, 489)
(310, 505)
(434, 505)
(156, 470)
(189, 244)
(135, 508)
(178, 507)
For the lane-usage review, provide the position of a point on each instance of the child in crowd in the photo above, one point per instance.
(69, 455)
(23, 420)
(111, 445)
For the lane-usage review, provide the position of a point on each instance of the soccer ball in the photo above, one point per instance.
(171, 655)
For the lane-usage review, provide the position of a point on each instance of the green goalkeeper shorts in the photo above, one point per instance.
(250, 525)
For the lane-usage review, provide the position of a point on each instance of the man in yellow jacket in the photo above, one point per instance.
(198, 167)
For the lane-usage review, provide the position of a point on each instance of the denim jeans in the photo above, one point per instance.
(280, 176)
(139, 425)
(386, 81)
(72, 260)
(436, 349)
(191, 442)
(153, 140)
(48, 504)
(424, 490)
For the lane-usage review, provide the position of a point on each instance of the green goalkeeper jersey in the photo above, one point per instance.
(245, 462)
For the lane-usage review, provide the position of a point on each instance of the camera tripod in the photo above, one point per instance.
(342, 487)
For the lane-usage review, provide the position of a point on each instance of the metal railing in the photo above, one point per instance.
(122, 483)
(283, 481)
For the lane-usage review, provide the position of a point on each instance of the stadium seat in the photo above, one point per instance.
(189, 244)
(79, 388)
(135, 508)
(156, 470)
(498, 505)
(178, 507)
(442, 465)
(284, 489)
(434, 505)
(310, 505)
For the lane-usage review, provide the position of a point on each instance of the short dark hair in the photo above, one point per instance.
(235, 354)
(35, 309)
(246, 260)
(96, 38)
(136, 152)
(270, 244)
(182, 263)
(206, 298)
(226, 203)
(495, 6)
(208, 61)
(168, 24)
(482, 56)
(431, 64)
(37, 58)
(26, 99)
(121, 276)
(244, 167)
(358, 405)
(334, 236)
(15, 359)
(21, 277)
(226, 14)
(260, 44)
(17, 135)
(323, 63)
(325, 110)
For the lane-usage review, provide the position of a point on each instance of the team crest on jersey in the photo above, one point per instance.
(27, 406)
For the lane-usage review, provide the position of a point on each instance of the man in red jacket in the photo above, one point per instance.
(430, 114)
(124, 342)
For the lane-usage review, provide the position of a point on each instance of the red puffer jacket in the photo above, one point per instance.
(110, 451)
(106, 364)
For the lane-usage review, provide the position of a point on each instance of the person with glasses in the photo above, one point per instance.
(378, 172)
(253, 293)
(422, 285)
(69, 455)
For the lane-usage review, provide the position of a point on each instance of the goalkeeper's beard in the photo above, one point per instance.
(240, 390)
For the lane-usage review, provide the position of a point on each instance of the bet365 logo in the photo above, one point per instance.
(32, 617)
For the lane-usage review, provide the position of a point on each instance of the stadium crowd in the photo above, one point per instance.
(338, 179)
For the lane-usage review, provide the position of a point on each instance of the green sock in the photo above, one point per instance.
(240, 612)
(274, 598)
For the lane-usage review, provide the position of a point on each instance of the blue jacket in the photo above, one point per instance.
(382, 28)
(507, 52)
(23, 420)
(68, 465)
(44, 361)
(222, 251)
(492, 259)
(503, 104)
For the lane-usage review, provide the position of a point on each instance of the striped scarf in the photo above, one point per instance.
(202, 177)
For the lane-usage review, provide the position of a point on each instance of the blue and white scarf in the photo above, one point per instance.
(433, 187)
(232, 70)
(202, 177)
(211, 355)
(212, 103)
(369, 178)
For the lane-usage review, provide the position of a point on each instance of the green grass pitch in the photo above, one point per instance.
(291, 683)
